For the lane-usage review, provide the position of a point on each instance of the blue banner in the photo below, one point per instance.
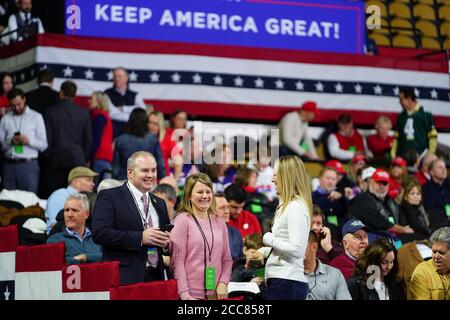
(319, 25)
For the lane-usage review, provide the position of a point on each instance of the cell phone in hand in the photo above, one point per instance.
(256, 264)
(167, 227)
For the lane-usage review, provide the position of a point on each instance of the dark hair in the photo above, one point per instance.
(165, 189)
(243, 175)
(312, 237)
(359, 171)
(345, 118)
(213, 169)
(69, 89)
(408, 93)
(374, 255)
(137, 123)
(3, 76)
(173, 115)
(413, 183)
(253, 241)
(14, 93)
(410, 155)
(45, 75)
(317, 211)
(235, 193)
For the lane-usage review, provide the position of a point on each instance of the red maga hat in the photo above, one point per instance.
(310, 106)
(337, 165)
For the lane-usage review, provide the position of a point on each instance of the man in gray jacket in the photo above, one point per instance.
(325, 282)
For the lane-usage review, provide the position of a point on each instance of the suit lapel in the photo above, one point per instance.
(132, 205)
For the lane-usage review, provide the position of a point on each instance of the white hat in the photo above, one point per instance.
(367, 173)
(35, 225)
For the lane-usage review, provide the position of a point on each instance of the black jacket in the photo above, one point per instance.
(42, 98)
(416, 218)
(359, 290)
(435, 197)
(373, 212)
(69, 135)
(117, 227)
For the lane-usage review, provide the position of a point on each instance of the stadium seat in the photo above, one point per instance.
(380, 39)
(428, 28)
(445, 29)
(380, 4)
(404, 41)
(447, 44)
(446, 2)
(430, 2)
(401, 23)
(400, 10)
(431, 43)
(424, 11)
(444, 13)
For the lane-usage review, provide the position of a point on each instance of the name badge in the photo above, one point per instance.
(210, 278)
(305, 146)
(18, 148)
(152, 252)
(447, 210)
(332, 220)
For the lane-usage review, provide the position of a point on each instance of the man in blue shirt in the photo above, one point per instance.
(81, 179)
(78, 239)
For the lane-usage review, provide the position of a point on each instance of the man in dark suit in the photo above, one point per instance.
(44, 96)
(41, 99)
(69, 136)
(127, 221)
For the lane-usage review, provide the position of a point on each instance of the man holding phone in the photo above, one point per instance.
(132, 224)
(22, 137)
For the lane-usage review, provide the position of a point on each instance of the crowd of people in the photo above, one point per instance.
(115, 186)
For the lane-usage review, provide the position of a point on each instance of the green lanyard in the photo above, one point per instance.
(210, 272)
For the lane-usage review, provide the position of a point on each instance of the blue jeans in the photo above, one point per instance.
(21, 176)
(284, 289)
(103, 168)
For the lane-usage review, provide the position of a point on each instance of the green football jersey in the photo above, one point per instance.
(414, 130)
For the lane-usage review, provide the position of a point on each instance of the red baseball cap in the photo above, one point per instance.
(380, 175)
(399, 161)
(310, 106)
(358, 158)
(337, 165)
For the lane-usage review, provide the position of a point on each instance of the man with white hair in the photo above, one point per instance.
(123, 100)
(78, 239)
(431, 279)
(355, 242)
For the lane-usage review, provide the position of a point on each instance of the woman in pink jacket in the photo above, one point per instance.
(200, 254)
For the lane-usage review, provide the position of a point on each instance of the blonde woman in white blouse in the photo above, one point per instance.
(289, 236)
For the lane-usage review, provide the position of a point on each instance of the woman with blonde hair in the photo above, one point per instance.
(200, 254)
(156, 124)
(290, 230)
(102, 134)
